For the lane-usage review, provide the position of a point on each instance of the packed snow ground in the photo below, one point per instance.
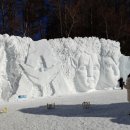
(109, 111)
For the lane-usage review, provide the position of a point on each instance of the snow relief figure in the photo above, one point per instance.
(84, 73)
(57, 66)
(96, 49)
(5, 87)
(109, 72)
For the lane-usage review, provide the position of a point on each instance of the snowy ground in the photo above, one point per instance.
(109, 111)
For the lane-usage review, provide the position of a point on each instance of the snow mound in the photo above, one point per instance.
(58, 66)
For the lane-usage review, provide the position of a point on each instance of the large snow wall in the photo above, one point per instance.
(59, 66)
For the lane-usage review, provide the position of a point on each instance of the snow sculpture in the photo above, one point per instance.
(84, 73)
(10, 72)
(58, 66)
(96, 49)
(5, 89)
(88, 70)
(38, 71)
(110, 65)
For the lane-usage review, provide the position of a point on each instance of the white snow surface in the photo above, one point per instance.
(58, 67)
(108, 111)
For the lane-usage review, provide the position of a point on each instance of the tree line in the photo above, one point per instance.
(67, 18)
(22, 17)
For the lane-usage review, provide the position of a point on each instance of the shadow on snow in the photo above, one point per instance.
(118, 112)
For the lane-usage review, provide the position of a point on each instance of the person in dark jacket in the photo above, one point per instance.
(121, 83)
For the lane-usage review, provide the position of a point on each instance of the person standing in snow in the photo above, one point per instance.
(127, 86)
(121, 83)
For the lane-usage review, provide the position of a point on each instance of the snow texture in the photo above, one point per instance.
(58, 66)
(108, 111)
